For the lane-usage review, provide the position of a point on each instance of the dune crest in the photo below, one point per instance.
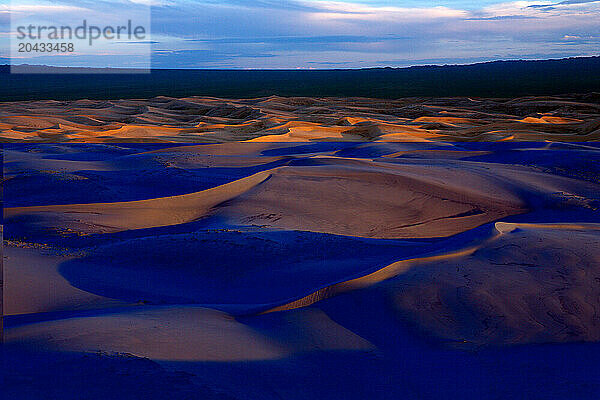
(116, 217)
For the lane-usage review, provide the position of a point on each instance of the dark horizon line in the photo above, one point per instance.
(307, 69)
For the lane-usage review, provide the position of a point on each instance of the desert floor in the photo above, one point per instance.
(300, 270)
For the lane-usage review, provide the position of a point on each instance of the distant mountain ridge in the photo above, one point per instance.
(490, 79)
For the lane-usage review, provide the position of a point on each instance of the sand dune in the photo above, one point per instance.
(188, 334)
(534, 283)
(400, 267)
(304, 270)
(521, 285)
(277, 119)
(115, 217)
(385, 201)
(34, 285)
(373, 200)
(373, 278)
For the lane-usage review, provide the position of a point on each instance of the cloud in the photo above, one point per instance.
(542, 8)
(339, 10)
(564, 3)
(39, 8)
(301, 39)
(359, 33)
(500, 18)
(200, 58)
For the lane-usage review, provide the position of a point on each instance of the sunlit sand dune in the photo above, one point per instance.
(115, 217)
(383, 201)
(391, 202)
(279, 119)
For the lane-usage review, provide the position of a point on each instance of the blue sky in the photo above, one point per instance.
(343, 34)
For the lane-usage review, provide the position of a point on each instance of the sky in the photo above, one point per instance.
(251, 34)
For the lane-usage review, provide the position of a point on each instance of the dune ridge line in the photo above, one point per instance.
(379, 275)
(402, 266)
(150, 213)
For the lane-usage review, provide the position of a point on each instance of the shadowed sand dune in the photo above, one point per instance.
(527, 283)
(534, 283)
(33, 284)
(189, 334)
(373, 278)
(336, 270)
(279, 119)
